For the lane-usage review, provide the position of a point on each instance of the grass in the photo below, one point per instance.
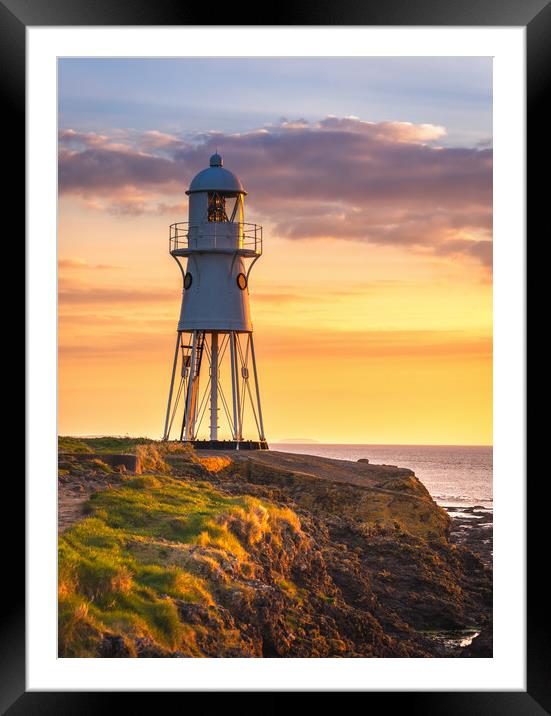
(110, 444)
(214, 464)
(150, 459)
(151, 454)
(146, 546)
(107, 444)
(290, 588)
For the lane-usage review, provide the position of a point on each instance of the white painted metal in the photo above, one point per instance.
(239, 429)
(234, 387)
(214, 386)
(217, 246)
(214, 301)
(253, 358)
(174, 364)
(216, 178)
(188, 418)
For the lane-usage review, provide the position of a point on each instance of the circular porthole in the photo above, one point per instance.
(242, 281)
(188, 280)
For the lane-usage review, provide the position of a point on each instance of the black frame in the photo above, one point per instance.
(535, 15)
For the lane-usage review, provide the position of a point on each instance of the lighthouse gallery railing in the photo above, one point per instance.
(214, 236)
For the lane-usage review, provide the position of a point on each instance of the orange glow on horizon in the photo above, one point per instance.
(356, 343)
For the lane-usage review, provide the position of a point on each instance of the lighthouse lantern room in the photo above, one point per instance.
(214, 340)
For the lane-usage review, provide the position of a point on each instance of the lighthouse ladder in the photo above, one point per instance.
(193, 387)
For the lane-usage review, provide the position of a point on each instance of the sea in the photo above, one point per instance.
(455, 476)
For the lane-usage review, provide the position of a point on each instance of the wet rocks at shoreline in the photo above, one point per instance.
(472, 527)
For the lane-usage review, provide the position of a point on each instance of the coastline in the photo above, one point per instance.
(472, 527)
(371, 566)
(456, 476)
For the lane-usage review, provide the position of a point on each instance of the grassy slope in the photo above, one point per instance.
(106, 444)
(146, 545)
(157, 550)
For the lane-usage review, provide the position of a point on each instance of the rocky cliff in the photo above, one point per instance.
(260, 555)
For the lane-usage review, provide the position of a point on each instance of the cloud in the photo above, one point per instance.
(386, 131)
(153, 139)
(97, 171)
(72, 294)
(303, 344)
(128, 140)
(481, 250)
(388, 183)
(77, 264)
(70, 137)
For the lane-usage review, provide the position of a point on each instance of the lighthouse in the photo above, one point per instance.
(214, 386)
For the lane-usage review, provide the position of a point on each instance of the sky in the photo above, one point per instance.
(372, 177)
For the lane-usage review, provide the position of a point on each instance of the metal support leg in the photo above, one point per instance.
(174, 364)
(262, 436)
(238, 388)
(234, 387)
(214, 386)
(187, 414)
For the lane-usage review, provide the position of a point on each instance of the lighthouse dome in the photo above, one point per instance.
(216, 178)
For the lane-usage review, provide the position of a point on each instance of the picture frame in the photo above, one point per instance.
(535, 16)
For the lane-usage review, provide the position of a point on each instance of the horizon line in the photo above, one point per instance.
(291, 441)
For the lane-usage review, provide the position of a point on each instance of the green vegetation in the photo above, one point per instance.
(107, 444)
(151, 455)
(165, 552)
(298, 595)
(101, 465)
(148, 546)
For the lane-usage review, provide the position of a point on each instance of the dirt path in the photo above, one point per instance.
(73, 492)
(69, 508)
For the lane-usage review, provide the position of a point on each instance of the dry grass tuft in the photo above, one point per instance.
(149, 459)
(214, 464)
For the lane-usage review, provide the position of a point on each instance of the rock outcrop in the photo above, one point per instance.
(331, 558)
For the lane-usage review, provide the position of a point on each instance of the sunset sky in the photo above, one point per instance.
(372, 177)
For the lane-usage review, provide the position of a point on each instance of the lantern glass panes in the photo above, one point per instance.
(217, 207)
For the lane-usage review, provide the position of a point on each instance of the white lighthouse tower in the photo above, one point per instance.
(214, 338)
